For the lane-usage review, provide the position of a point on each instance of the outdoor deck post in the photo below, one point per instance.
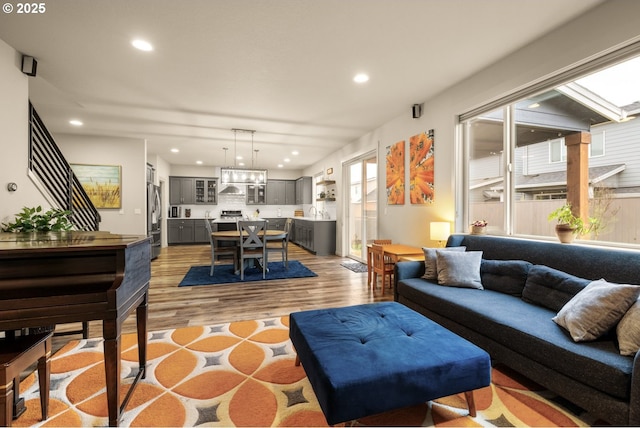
(578, 173)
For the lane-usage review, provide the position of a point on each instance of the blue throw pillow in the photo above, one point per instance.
(505, 276)
(550, 287)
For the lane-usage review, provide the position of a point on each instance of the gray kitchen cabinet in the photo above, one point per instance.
(276, 223)
(303, 191)
(181, 190)
(206, 191)
(319, 237)
(281, 192)
(256, 194)
(180, 231)
(200, 232)
(193, 190)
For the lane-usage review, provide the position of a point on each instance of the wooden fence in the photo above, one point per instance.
(531, 219)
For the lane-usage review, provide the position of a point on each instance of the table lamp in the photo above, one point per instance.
(439, 231)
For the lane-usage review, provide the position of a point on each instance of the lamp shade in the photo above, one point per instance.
(439, 230)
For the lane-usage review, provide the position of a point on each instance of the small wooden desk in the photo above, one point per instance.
(396, 252)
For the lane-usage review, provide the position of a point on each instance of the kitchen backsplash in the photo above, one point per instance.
(238, 202)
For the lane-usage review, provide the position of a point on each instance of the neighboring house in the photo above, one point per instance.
(540, 168)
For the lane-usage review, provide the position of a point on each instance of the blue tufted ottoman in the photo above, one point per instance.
(367, 359)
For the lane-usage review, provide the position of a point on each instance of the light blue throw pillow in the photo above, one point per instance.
(431, 261)
(459, 269)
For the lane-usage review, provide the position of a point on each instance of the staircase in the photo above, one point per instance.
(55, 176)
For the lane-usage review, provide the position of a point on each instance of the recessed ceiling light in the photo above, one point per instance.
(238, 157)
(76, 122)
(280, 165)
(295, 153)
(199, 162)
(175, 150)
(287, 160)
(142, 45)
(241, 163)
(361, 78)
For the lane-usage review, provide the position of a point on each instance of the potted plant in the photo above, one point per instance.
(568, 225)
(479, 227)
(37, 220)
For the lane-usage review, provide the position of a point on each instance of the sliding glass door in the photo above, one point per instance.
(362, 207)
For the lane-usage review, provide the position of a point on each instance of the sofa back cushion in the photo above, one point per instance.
(505, 276)
(551, 288)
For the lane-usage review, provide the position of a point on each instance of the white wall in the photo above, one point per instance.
(613, 24)
(130, 154)
(14, 135)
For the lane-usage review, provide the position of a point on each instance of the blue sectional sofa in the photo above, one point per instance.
(525, 284)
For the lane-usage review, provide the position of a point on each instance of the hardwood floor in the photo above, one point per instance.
(171, 306)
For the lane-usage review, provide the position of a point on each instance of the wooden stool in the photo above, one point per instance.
(16, 355)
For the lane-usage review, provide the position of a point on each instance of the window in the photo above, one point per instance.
(596, 148)
(557, 150)
(517, 157)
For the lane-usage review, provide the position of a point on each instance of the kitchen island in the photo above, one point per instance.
(315, 234)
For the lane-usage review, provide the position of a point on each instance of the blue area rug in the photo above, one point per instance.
(223, 274)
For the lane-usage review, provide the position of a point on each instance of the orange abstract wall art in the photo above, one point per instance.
(395, 173)
(421, 168)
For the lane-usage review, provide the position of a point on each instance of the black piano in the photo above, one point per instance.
(49, 278)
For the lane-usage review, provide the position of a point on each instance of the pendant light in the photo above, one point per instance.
(244, 175)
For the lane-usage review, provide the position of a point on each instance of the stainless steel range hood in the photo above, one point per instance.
(232, 190)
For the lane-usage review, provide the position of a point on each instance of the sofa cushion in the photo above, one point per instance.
(505, 276)
(628, 331)
(528, 330)
(459, 269)
(431, 260)
(551, 288)
(596, 309)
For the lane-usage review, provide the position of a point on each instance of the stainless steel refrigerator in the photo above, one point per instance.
(154, 212)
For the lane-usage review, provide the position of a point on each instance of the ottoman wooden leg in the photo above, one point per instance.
(471, 403)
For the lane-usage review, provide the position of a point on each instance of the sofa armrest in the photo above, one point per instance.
(634, 394)
(404, 270)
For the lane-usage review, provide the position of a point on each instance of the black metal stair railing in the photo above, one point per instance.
(51, 168)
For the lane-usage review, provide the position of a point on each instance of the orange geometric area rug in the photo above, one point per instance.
(243, 374)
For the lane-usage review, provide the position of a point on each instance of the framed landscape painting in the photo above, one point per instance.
(103, 184)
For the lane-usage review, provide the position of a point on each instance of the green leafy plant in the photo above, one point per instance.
(565, 218)
(37, 220)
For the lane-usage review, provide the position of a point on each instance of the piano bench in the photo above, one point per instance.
(16, 355)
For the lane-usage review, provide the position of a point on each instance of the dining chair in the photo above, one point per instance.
(282, 245)
(252, 244)
(370, 255)
(381, 266)
(217, 251)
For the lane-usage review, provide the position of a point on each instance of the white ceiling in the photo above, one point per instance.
(283, 68)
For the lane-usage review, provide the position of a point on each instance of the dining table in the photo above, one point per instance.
(234, 236)
(395, 253)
